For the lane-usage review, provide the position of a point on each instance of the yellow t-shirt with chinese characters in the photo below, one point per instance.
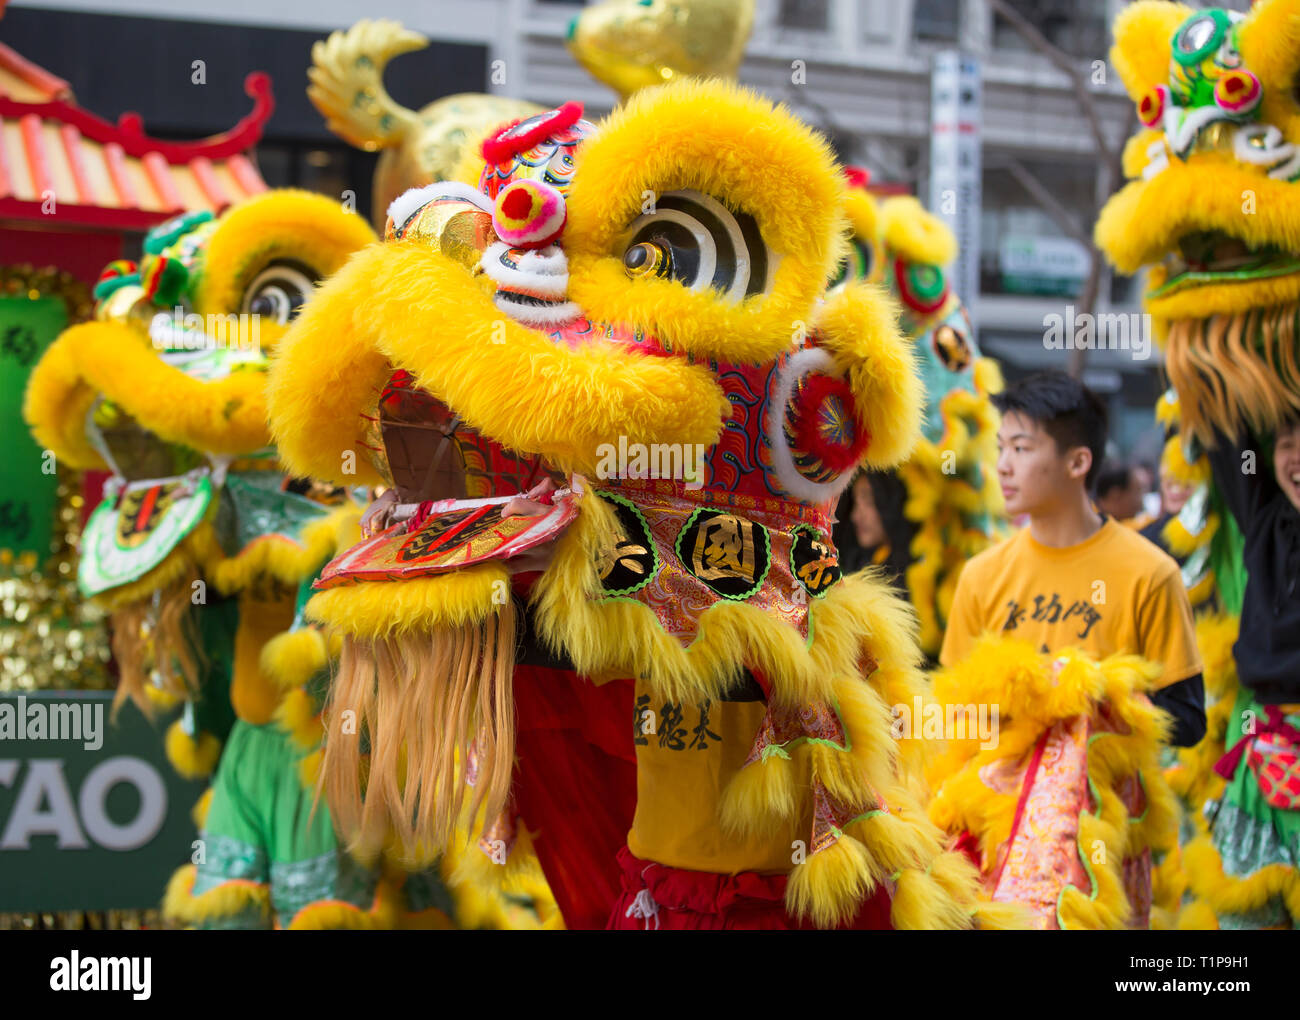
(1114, 592)
(686, 754)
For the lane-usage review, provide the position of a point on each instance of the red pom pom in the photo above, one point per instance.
(824, 423)
(516, 203)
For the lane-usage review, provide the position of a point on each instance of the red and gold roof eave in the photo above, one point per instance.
(113, 176)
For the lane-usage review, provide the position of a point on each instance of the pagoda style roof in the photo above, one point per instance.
(112, 175)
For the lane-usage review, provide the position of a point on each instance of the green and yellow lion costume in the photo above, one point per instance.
(200, 545)
(1212, 212)
(952, 507)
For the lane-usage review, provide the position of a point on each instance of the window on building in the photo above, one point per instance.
(328, 167)
(1023, 250)
(1078, 27)
(936, 20)
(812, 15)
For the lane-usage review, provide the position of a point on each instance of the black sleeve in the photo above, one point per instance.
(1243, 493)
(1185, 701)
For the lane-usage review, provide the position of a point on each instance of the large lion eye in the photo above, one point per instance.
(1199, 36)
(646, 259)
(856, 265)
(279, 291)
(697, 241)
(1196, 37)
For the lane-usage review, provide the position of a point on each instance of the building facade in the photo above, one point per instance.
(858, 69)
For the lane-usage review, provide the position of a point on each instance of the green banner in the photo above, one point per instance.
(92, 816)
(27, 480)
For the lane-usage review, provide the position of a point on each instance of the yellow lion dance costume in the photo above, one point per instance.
(201, 542)
(1058, 795)
(613, 414)
(1213, 213)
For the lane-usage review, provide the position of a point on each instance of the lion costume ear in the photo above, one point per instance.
(1269, 40)
(1144, 33)
(915, 233)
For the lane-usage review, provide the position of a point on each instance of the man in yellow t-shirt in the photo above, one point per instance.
(1072, 577)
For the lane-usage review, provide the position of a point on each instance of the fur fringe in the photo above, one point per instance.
(1236, 370)
(1223, 894)
(380, 610)
(423, 701)
(291, 659)
(229, 899)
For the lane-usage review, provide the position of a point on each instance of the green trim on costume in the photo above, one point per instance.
(252, 506)
(1146, 801)
(1095, 793)
(331, 876)
(862, 818)
(1190, 278)
(758, 582)
(655, 561)
(226, 858)
(819, 536)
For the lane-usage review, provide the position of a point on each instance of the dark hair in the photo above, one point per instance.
(1062, 407)
(889, 493)
(1114, 474)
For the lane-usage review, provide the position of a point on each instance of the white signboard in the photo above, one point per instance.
(955, 119)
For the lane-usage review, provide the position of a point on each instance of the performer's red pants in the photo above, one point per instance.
(673, 899)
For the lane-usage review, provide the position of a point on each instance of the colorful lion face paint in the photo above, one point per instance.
(668, 395)
(1213, 207)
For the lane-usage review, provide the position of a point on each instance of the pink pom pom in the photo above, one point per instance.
(529, 214)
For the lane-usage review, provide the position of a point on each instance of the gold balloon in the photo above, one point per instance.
(630, 45)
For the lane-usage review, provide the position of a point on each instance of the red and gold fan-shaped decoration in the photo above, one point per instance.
(822, 429)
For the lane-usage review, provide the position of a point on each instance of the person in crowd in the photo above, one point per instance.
(1120, 490)
(1173, 496)
(1074, 576)
(872, 528)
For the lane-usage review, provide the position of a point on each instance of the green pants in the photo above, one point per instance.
(261, 828)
